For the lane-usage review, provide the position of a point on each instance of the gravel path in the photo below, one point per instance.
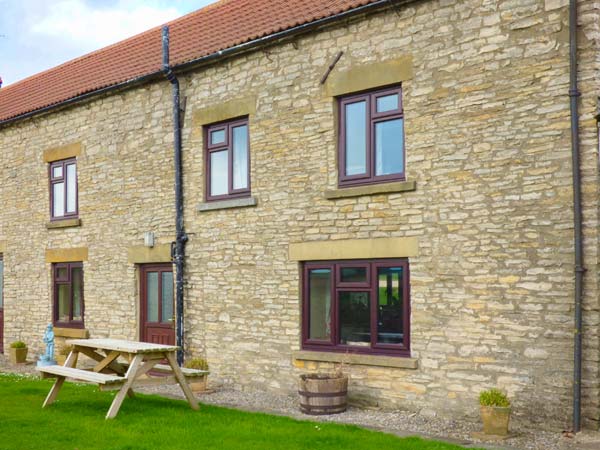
(401, 423)
(397, 422)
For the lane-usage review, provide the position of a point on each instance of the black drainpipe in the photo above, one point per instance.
(178, 250)
(577, 220)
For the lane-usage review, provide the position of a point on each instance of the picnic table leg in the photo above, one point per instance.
(181, 380)
(54, 391)
(130, 377)
(70, 362)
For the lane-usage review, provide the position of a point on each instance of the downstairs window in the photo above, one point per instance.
(356, 306)
(67, 279)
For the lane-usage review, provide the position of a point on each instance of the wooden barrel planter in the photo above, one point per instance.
(323, 394)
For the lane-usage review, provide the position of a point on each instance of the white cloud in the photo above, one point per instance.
(93, 27)
(39, 34)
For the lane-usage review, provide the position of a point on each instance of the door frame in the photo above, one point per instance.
(143, 300)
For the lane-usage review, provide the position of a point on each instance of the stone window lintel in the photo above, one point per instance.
(72, 150)
(362, 77)
(61, 255)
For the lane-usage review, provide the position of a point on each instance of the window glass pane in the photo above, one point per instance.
(217, 137)
(152, 296)
(387, 103)
(355, 322)
(57, 171)
(58, 199)
(62, 273)
(356, 138)
(63, 302)
(167, 297)
(319, 321)
(353, 275)
(218, 173)
(1, 283)
(240, 157)
(390, 301)
(71, 188)
(77, 277)
(389, 144)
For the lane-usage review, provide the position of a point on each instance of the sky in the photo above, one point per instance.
(36, 35)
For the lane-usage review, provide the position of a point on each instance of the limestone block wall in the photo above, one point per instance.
(489, 203)
(487, 137)
(125, 188)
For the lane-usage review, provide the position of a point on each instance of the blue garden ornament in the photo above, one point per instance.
(47, 359)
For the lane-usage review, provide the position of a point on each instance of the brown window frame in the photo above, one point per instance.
(372, 117)
(227, 127)
(63, 179)
(57, 281)
(337, 286)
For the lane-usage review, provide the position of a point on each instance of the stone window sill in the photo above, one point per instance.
(358, 359)
(77, 333)
(372, 189)
(228, 204)
(67, 223)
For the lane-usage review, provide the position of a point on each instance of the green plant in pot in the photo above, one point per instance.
(18, 352)
(198, 382)
(495, 412)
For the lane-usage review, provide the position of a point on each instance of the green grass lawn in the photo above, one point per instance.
(76, 421)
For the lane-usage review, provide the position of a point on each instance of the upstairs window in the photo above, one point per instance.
(68, 294)
(371, 136)
(227, 160)
(356, 306)
(63, 189)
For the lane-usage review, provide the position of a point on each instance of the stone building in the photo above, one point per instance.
(386, 184)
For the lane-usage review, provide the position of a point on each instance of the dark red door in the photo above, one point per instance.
(157, 306)
(1, 305)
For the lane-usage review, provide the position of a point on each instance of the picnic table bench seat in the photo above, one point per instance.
(80, 374)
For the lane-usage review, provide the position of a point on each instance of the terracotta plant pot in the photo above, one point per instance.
(322, 394)
(495, 420)
(17, 355)
(198, 384)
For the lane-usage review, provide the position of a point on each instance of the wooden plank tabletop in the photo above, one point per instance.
(122, 345)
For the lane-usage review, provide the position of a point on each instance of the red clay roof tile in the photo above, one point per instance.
(219, 26)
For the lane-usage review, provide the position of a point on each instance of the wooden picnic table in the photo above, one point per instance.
(109, 373)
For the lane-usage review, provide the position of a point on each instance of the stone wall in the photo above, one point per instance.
(485, 88)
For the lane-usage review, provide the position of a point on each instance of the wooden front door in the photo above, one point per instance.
(157, 305)
(1, 304)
